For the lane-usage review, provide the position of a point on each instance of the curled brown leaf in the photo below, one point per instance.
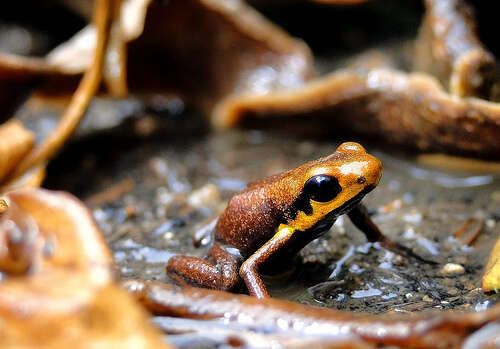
(407, 109)
(252, 68)
(491, 278)
(241, 50)
(449, 48)
(58, 279)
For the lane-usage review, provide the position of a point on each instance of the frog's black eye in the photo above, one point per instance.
(322, 188)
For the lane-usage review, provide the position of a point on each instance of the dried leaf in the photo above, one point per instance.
(448, 47)
(241, 51)
(251, 68)
(79, 101)
(406, 109)
(491, 278)
(63, 293)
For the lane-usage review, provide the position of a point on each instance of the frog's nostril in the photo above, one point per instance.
(361, 180)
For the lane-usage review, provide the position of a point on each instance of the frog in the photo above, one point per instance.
(273, 218)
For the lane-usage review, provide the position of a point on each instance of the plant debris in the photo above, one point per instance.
(469, 231)
(272, 316)
(449, 48)
(271, 75)
(491, 278)
(29, 157)
(57, 274)
(409, 109)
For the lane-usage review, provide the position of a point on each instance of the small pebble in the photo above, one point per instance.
(426, 298)
(451, 269)
(159, 167)
(206, 196)
(490, 223)
(413, 216)
(164, 196)
(168, 235)
(339, 225)
(398, 259)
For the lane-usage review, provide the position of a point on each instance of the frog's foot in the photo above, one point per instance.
(223, 275)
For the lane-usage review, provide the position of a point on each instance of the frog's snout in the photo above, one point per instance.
(374, 172)
(366, 166)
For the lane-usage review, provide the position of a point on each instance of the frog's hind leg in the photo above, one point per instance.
(223, 274)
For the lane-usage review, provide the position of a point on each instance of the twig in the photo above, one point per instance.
(112, 193)
(469, 231)
(81, 98)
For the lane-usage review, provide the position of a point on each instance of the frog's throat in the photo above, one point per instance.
(323, 212)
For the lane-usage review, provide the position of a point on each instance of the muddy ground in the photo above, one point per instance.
(157, 197)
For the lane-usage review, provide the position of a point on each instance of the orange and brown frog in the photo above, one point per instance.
(274, 218)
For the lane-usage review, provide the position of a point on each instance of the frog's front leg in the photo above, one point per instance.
(359, 217)
(249, 270)
(221, 275)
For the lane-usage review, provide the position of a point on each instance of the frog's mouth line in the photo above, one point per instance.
(324, 224)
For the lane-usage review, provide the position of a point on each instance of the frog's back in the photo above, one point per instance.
(253, 216)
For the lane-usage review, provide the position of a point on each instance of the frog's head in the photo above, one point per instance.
(333, 185)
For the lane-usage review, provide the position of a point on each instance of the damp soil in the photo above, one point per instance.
(156, 184)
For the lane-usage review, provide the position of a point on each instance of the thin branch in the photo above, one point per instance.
(82, 96)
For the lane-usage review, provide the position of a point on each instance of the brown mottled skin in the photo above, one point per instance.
(276, 217)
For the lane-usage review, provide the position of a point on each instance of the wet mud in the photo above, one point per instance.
(157, 198)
